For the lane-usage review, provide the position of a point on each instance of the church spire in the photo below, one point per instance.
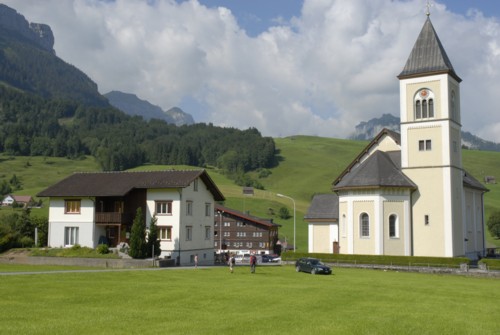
(428, 56)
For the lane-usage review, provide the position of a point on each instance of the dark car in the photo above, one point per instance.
(312, 265)
(269, 258)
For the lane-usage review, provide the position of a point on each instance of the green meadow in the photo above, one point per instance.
(275, 300)
(308, 165)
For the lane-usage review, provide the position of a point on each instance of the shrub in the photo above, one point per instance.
(492, 264)
(26, 242)
(264, 173)
(284, 213)
(493, 224)
(102, 249)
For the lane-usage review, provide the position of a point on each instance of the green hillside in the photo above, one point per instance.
(308, 165)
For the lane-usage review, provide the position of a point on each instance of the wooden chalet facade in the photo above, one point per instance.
(237, 232)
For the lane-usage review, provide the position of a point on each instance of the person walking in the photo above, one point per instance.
(232, 262)
(196, 261)
(253, 263)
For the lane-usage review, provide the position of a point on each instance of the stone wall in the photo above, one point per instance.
(87, 262)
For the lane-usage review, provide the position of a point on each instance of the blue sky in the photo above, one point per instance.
(285, 67)
(256, 16)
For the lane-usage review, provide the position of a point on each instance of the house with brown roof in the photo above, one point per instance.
(93, 208)
(24, 200)
(408, 194)
(237, 232)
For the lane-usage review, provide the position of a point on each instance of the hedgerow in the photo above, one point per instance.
(380, 260)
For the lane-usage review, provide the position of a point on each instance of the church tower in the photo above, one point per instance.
(431, 147)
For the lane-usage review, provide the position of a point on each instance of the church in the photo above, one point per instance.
(407, 194)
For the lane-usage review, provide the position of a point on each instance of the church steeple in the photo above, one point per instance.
(428, 56)
(430, 145)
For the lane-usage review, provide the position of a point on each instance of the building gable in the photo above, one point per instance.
(386, 140)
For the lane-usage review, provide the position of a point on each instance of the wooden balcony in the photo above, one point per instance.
(113, 218)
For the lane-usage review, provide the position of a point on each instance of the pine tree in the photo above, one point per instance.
(138, 237)
(153, 240)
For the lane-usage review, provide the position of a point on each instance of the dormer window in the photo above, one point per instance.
(424, 104)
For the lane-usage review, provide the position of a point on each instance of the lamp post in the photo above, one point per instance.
(294, 220)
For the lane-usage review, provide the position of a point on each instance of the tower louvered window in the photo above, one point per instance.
(424, 104)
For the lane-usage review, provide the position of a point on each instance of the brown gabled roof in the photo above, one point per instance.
(381, 169)
(120, 183)
(22, 198)
(246, 217)
(394, 135)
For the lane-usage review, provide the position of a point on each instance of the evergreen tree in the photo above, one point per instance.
(153, 240)
(284, 213)
(5, 188)
(138, 236)
(15, 183)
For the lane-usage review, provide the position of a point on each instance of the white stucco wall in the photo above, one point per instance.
(199, 244)
(322, 235)
(59, 220)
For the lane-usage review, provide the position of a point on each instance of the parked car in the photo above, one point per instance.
(242, 259)
(312, 265)
(269, 258)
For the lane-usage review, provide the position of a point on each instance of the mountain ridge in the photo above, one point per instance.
(39, 33)
(131, 104)
(367, 130)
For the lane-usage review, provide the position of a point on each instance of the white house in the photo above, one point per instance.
(407, 194)
(93, 208)
(10, 199)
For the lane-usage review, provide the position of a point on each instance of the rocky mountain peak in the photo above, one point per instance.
(38, 33)
(130, 104)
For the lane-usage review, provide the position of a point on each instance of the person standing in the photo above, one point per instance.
(253, 263)
(196, 261)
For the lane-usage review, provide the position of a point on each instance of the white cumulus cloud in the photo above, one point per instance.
(320, 73)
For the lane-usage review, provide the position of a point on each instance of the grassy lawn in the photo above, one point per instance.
(274, 300)
(9, 268)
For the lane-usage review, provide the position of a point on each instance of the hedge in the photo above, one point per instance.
(381, 260)
(492, 264)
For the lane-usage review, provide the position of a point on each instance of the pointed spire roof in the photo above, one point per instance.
(428, 56)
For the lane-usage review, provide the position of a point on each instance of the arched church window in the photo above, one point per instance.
(418, 110)
(364, 225)
(424, 104)
(393, 226)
